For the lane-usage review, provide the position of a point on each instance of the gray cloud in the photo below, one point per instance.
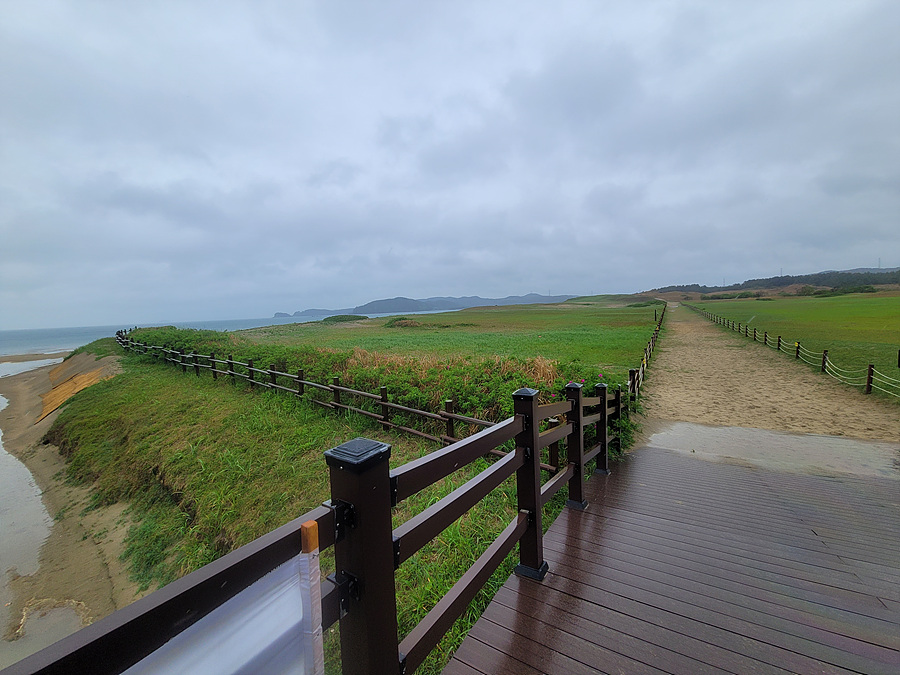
(174, 161)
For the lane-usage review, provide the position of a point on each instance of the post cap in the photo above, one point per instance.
(574, 385)
(525, 392)
(601, 385)
(357, 455)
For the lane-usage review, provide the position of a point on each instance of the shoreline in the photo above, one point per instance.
(79, 568)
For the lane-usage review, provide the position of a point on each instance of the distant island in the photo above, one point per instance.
(400, 305)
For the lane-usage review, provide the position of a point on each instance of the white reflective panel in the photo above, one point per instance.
(266, 628)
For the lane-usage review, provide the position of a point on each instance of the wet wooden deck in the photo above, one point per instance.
(681, 565)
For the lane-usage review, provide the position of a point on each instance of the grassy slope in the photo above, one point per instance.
(855, 329)
(210, 466)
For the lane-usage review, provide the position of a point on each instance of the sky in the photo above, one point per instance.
(177, 161)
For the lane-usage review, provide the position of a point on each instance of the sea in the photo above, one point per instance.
(54, 340)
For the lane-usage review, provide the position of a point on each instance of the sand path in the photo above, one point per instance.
(700, 373)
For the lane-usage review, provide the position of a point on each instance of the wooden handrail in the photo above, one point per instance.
(412, 535)
(418, 474)
(428, 632)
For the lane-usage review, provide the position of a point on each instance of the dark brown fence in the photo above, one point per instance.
(444, 423)
(636, 375)
(357, 522)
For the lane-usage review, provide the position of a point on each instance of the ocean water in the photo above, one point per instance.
(51, 340)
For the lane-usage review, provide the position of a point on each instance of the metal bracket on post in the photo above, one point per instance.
(344, 517)
(348, 587)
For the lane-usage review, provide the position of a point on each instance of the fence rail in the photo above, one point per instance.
(868, 378)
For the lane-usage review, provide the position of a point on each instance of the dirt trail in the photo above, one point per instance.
(705, 375)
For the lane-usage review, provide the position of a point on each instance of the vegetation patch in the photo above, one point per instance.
(343, 318)
(402, 322)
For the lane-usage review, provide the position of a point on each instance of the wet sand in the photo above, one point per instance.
(79, 577)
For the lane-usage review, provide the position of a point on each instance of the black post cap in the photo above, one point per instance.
(574, 385)
(525, 392)
(357, 455)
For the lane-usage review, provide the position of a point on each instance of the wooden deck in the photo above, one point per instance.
(681, 565)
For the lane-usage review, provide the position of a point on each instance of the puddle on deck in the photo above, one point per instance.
(776, 450)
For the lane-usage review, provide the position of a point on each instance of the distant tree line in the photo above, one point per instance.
(836, 280)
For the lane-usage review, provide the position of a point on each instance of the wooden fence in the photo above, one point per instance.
(868, 378)
(336, 397)
(357, 522)
(636, 375)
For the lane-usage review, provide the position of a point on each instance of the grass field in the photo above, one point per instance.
(209, 466)
(856, 329)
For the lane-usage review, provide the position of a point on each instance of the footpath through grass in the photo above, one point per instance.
(209, 466)
(855, 329)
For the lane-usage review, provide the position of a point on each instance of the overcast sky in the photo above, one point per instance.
(170, 161)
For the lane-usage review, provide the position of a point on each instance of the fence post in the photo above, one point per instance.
(528, 486)
(336, 382)
(448, 407)
(385, 410)
(796, 350)
(213, 366)
(230, 365)
(575, 446)
(196, 364)
(754, 335)
(824, 360)
(632, 385)
(300, 378)
(766, 338)
(364, 556)
(182, 361)
(870, 375)
(250, 372)
(779, 343)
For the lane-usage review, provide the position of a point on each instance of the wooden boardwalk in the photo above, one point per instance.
(681, 565)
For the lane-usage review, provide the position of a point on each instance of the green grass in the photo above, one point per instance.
(209, 466)
(587, 333)
(855, 329)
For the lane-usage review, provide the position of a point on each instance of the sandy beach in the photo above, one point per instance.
(79, 571)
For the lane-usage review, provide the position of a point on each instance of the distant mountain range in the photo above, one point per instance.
(861, 276)
(437, 304)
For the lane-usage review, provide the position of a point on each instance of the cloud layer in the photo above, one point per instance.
(175, 161)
